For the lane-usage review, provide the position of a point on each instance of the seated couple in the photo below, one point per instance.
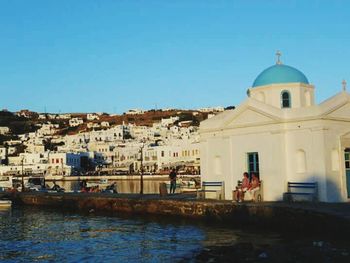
(247, 188)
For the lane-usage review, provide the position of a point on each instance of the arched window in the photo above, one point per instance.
(285, 99)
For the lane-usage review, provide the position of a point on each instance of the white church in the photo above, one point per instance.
(280, 133)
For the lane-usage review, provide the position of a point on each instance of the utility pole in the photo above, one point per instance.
(22, 176)
(141, 177)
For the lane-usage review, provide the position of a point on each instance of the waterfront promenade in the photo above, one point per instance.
(333, 219)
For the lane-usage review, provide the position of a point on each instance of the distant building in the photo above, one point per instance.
(3, 154)
(26, 113)
(92, 117)
(168, 121)
(4, 130)
(134, 111)
(212, 109)
(75, 122)
(91, 125)
(105, 124)
(65, 116)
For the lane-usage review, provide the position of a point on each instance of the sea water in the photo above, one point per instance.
(34, 234)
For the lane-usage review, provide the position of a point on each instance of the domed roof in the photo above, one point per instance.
(280, 73)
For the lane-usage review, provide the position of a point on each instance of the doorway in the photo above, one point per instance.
(347, 169)
(253, 163)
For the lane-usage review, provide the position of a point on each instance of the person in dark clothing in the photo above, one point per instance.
(172, 177)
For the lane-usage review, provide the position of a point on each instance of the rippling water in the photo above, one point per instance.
(30, 234)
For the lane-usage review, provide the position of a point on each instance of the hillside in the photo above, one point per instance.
(30, 123)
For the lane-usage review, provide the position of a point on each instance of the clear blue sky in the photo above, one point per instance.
(85, 56)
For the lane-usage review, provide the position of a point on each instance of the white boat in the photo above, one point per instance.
(5, 204)
(102, 183)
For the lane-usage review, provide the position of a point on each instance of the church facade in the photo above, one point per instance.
(281, 134)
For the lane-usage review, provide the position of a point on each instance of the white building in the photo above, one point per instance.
(64, 163)
(47, 129)
(3, 154)
(105, 124)
(92, 116)
(75, 122)
(134, 111)
(65, 116)
(168, 121)
(141, 132)
(42, 116)
(212, 109)
(4, 130)
(280, 133)
(35, 148)
(91, 125)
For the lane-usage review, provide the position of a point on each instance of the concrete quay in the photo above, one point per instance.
(325, 218)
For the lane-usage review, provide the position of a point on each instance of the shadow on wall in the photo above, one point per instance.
(334, 193)
(327, 190)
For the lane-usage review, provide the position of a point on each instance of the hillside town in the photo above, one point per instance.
(101, 144)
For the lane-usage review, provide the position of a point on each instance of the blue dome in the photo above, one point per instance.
(280, 73)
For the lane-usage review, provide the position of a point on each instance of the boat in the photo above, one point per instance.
(5, 183)
(5, 204)
(35, 184)
(102, 183)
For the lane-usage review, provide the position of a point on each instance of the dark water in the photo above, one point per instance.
(30, 234)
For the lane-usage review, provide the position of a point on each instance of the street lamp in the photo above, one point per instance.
(22, 175)
(141, 177)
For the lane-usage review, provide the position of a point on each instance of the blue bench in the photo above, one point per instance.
(298, 190)
(212, 190)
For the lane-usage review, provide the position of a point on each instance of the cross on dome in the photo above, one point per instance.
(344, 84)
(278, 55)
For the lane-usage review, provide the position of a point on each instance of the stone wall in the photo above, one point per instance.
(282, 216)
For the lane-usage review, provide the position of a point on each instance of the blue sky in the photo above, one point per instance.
(95, 56)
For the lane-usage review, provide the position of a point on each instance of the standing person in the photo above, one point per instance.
(172, 177)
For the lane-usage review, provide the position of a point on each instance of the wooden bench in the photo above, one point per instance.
(258, 195)
(301, 189)
(212, 190)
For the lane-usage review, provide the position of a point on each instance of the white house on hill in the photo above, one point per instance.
(280, 133)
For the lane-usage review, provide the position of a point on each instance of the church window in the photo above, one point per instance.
(253, 163)
(301, 161)
(285, 99)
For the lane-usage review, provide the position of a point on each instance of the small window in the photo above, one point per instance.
(285, 99)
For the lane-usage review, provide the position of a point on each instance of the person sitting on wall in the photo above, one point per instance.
(254, 186)
(242, 188)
